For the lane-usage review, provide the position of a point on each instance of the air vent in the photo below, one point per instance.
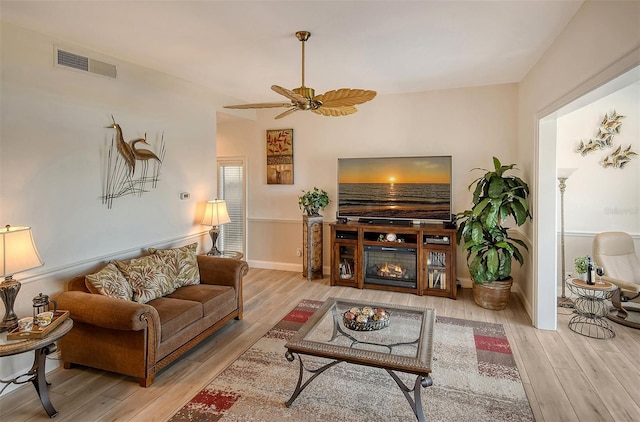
(86, 64)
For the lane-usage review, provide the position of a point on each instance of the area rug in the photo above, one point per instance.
(474, 378)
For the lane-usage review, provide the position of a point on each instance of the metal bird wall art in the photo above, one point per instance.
(121, 176)
(609, 127)
(339, 102)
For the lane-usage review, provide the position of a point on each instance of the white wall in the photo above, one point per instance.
(600, 35)
(597, 198)
(471, 124)
(52, 138)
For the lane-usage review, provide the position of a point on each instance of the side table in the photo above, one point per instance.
(230, 254)
(42, 347)
(591, 308)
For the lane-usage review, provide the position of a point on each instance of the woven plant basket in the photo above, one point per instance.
(493, 296)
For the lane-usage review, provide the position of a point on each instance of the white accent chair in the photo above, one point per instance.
(616, 253)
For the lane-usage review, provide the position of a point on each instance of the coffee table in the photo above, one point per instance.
(406, 345)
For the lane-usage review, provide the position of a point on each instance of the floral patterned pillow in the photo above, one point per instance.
(150, 276)
(186, 261)
(109, 282)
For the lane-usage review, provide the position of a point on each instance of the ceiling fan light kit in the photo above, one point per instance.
(340, 102)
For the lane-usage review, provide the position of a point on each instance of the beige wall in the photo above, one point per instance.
(471, 124)
(52, 143)
(593, 48)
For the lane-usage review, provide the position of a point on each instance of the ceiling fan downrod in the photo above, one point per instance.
(303, 36)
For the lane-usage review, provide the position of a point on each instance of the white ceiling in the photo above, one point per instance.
(241, 48)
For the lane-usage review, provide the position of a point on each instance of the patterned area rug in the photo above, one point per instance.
(474, 378)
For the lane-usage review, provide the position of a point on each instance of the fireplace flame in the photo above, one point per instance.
(391, 271)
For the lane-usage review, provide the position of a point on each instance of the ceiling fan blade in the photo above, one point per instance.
(289, 94)
(260, 105)
(286, 113)
(345, 97)
(335, 111)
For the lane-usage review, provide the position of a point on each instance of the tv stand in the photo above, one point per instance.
(428, 251)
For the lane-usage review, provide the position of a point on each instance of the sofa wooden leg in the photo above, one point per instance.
(146, 382)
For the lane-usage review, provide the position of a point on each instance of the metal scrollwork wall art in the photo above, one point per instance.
(609, 127)
(129, 169)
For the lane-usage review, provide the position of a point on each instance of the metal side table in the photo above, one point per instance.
(591, 308)
(42, 347)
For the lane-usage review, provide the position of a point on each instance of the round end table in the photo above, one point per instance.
(591, 308)
(42, 347)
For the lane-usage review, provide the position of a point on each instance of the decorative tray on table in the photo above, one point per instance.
(366, 319)
(37, 331)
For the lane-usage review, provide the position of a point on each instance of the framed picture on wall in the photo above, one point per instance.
(280, 157)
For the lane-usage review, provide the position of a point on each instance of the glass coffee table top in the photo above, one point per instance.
(405, 345)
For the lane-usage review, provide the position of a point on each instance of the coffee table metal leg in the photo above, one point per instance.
(416, 401)
(300, 386)
(39, 380)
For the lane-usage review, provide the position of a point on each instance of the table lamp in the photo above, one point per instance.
(18, 253)
(215, 214)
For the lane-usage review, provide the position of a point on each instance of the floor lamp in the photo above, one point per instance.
(563, 175)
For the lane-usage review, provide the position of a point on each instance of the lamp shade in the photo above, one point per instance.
(17, 251)
(216, 213)
(564, 173)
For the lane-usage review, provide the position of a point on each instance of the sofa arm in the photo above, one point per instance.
(107, 312)
(222, 271)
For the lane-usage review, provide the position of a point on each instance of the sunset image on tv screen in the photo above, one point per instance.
(395, 187)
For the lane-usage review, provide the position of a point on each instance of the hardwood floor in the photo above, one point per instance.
(567, 377)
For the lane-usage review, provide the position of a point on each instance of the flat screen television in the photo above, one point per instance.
(395, 188)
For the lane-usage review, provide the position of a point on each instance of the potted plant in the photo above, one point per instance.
(490, 250)
(581, 266)
(312, 201)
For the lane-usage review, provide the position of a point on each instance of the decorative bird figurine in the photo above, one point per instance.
(142, 154)
(124, 148)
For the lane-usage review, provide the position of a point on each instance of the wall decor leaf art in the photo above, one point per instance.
(609, 127)
(129, 169)
(280, 157)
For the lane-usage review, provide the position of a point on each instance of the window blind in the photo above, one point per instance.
(231, 188)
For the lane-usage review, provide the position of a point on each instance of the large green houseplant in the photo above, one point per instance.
(490, 250)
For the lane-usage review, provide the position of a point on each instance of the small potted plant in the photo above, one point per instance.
(581, 266)
(312, 201)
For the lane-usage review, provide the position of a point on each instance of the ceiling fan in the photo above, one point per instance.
(339, 102)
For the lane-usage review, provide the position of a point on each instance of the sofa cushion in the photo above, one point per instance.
(175, 314)
(109, 281)
(151, 276)
(213, 298)
(186, 262)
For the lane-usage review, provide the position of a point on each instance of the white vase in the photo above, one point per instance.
(583, 276)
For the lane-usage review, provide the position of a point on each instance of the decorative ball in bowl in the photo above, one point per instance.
(366, 318)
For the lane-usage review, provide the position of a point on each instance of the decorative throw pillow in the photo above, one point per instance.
(186, 260)
(109, 281)
(150, 276)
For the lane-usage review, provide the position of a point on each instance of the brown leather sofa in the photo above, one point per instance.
(139, 339)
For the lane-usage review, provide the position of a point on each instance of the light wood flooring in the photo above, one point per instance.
(567, 377)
